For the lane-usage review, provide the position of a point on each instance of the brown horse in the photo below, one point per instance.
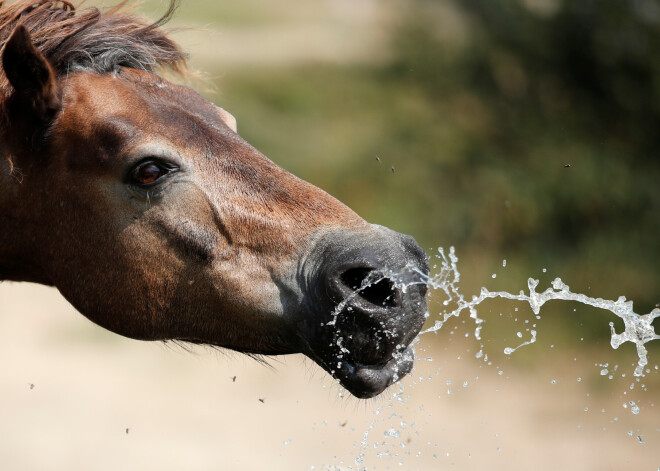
(138, 200)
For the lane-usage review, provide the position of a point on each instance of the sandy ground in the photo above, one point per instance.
(75, 397)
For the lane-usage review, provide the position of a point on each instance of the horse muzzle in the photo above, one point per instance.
(366, 292)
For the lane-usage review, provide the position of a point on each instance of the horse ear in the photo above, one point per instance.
(228, 118)
(31, 75)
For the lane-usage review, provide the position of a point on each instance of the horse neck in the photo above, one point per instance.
(19, 233)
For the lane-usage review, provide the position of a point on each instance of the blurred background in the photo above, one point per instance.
(525, 131)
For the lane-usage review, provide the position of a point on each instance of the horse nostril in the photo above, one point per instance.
(370, 286)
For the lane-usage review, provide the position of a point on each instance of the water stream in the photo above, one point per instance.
(638, 328)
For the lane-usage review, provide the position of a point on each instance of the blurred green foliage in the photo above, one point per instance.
(520, 130)
(539, 86)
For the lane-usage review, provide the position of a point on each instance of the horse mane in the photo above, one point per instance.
(102, 42)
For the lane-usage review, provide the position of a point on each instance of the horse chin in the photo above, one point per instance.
(368, 380)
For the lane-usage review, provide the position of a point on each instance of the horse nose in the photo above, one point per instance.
(377, 272)
(370, 289)
(371, 293)
(378, 305)
(383, 283)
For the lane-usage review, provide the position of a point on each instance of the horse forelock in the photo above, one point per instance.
(102, 42)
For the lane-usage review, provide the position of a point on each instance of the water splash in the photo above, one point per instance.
(390, 443)
(638, 329)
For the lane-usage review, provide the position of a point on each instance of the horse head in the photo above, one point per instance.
(156, 220)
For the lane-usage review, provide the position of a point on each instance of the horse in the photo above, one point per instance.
(138, 200)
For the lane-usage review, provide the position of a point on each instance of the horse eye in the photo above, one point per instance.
(147, 173)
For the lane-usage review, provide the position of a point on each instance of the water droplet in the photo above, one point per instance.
(392, 433)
